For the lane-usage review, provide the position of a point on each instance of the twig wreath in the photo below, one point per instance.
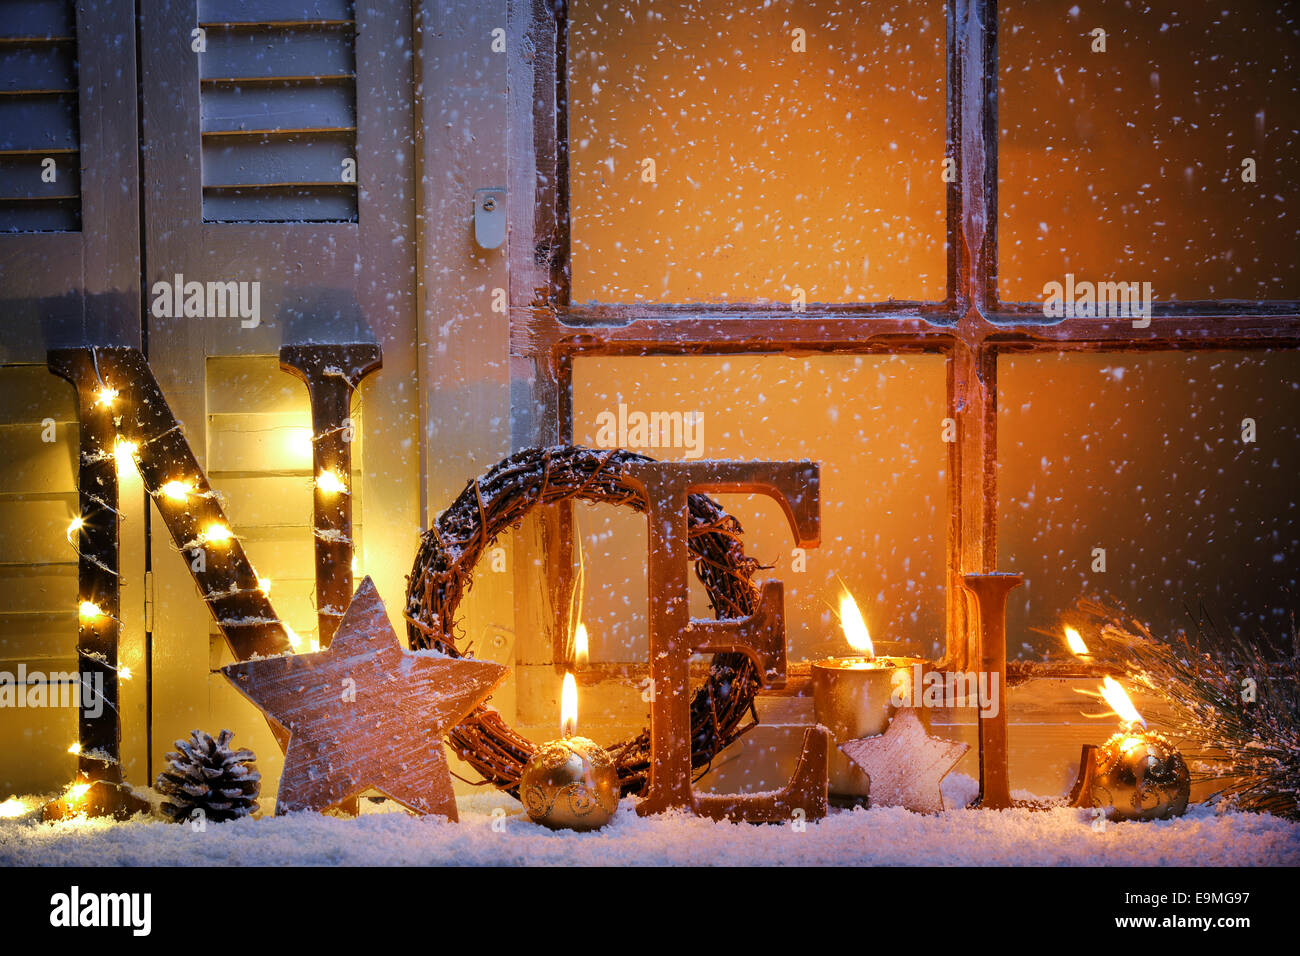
(498, 501)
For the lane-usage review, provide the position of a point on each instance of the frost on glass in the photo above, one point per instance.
(772, 169)
(1147, 456)
(873, 423)
(1128, 164)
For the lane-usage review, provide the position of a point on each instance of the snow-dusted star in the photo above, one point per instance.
(905, 764)
(366, 713)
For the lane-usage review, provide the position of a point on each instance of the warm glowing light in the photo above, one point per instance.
(74, 748)
(314, 645)
(89, 611)
(75, 525)
(1075, 642)
(13, 807)
(124, 451)
(264, 585)
(569, 706)
(298, 443)
(123, 672)
(178, 491)
(580, 643)
(854, 627)
(106, 397)
(77, 791)
(356, 566)
(330, 483)
(1114, 695)
(216, 534)
(294, 640)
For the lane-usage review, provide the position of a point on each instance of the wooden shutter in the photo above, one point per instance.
(39, 129)
(278, 100)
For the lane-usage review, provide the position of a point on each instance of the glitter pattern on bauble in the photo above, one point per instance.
(570, 784)
(1141, 776)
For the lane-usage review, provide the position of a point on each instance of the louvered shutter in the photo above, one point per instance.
(278, 99)
(40, 138)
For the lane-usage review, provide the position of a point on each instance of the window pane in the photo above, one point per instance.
(773, 169)
(1144, 456)
(1127, 165)
(874, 424)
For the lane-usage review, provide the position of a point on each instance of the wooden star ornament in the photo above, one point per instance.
(365, 712)
(905, 764)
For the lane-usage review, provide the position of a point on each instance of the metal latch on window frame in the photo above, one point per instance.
(490, 217)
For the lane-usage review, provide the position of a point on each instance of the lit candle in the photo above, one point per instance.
(1137, 774)
(570, 783)
(853, 697)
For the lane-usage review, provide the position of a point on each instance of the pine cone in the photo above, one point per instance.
(207, 776)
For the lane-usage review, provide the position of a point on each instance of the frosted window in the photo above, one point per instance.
(773, 169)
(1127, 165)
(874, 424)
(1143, 456)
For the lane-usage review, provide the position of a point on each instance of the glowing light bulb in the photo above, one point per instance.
(89, 611)
(124, 451)
(74, 748)
(216, 534)
(77, 791)
(178, 491)
(106, 397)
(330, 483)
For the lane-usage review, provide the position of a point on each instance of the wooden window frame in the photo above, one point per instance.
(971, 328)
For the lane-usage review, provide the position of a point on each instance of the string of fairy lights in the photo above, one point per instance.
(180, 491)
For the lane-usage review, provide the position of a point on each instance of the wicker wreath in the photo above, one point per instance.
(721, 710)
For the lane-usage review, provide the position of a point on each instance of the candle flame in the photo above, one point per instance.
(580, 643)
(569, 706)
(854, 627)
(1115, 695)
(1075, 643)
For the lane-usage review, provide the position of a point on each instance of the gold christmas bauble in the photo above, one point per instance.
(570, 784)
(1141, 776)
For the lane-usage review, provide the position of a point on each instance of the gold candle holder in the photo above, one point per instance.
(570, 784)
(852, 698)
